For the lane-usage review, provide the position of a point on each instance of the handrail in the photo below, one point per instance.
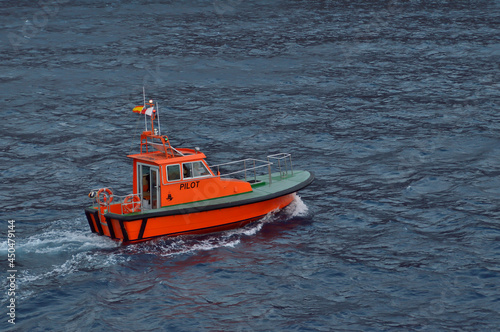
(282, 160)
(238, 161)
(246, 168)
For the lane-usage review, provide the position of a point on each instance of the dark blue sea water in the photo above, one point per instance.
(394, 105)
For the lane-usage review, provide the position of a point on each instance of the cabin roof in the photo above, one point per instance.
(159, 158)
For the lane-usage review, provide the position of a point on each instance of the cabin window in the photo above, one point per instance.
(194, 170)
(173, 172)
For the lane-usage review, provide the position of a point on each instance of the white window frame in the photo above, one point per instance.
(192, 170)
(180, 172)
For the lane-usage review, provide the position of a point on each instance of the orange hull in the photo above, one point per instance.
(145, 228)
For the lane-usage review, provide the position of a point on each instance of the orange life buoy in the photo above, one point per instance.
(131, 203)
(104, 196)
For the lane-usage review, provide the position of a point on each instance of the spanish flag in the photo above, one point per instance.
(139, 109)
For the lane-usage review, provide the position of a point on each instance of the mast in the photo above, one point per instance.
(158, 114)
(144, 96)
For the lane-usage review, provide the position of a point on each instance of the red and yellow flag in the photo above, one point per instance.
(138, 109)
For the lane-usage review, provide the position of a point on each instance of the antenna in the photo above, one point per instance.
(158, 114)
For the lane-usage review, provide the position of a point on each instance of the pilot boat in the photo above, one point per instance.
(176, 192)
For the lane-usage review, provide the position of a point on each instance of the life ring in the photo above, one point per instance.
(104, 196)
(131, 203)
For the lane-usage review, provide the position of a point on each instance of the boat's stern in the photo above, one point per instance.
(105, 203)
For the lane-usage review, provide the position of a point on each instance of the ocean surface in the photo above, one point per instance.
(394, 105)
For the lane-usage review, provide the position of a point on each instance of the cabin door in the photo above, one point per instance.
(155, 187)
(149, 188)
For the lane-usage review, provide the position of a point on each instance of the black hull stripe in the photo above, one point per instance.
(110, 228)
(124, 231)
(143, 228)
(89, 219)
(95, 213)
